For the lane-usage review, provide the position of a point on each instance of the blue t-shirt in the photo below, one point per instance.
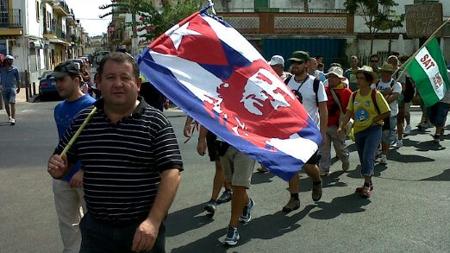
(9, 77)
(64, 113)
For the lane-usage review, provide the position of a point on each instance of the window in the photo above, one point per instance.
(38, 11)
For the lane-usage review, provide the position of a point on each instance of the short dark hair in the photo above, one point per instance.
(118, 57)
(374, 55)
(367, 75)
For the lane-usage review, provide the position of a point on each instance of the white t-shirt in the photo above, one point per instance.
(306, 89)
(396, 88)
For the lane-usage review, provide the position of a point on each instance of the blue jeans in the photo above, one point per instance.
(367, 142)
(100, 237)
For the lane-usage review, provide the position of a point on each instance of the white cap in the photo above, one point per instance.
(276, 60)
(9, 57)
(337, 71)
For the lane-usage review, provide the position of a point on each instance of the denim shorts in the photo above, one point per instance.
(9, 95)
(438, 114)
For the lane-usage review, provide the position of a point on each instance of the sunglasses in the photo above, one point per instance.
(373, 60)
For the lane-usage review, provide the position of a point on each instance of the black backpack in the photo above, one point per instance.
(315, 86)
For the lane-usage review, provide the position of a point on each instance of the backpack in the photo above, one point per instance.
(392, 83)
(373, 95)
(409, 90)
(315, 86)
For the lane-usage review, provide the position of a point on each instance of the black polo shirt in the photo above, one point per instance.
(122, 162)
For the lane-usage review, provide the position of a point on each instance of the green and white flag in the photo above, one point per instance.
(429, 72)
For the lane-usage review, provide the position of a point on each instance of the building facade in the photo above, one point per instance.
(39, 34)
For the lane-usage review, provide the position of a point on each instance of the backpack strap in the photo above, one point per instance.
(373, 95)
(287, 80)
(392, 83)
(316, 89)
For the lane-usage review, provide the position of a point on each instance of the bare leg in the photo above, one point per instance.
(238, 201)
(219, 180)
(13, 111)
(313, 172)
(7, 109)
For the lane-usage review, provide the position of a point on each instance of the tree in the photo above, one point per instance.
(377, 14)
(156, 22)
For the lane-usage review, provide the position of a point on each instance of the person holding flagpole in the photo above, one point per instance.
(130, 160)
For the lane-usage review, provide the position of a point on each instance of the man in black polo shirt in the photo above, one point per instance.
(131, 164)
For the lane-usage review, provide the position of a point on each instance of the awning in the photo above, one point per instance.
(35, 44)
(59, 41)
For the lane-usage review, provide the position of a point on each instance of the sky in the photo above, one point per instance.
(88, 13)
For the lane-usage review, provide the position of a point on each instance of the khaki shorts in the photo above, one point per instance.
(237, 167)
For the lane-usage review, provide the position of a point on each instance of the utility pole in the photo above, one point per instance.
(134, 37)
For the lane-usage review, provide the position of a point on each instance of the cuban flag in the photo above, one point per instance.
(217, 77)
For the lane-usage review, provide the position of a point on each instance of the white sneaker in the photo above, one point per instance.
(398, 144)
(407, 129)
(12, 121)
(383, 159)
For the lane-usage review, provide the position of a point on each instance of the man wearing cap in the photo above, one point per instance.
(391, 90)
(350, 73)
(311, 93)
(277, 64)
(338, 95)
(68, 194)
(10, 86)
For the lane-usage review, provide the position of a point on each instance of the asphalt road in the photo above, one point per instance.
(409, 211)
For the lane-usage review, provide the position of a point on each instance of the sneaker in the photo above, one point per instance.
(247, 212)
(361, 188)
(407, 130)
(225, 197)
(12, 121)
(365, 191)
(345, 165)
(210, 207)
(378, 153)
(292, 205)
(232, 237)
(317, 191)
(262, 169)
(436, 138)
(398, 144)
(383, 159)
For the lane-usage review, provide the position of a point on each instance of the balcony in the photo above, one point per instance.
(61, 8)
(11, 22)
(290, 23)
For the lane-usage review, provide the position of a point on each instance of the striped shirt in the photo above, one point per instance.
(122, 162)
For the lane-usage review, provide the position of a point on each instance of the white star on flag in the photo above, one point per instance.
(176, 34)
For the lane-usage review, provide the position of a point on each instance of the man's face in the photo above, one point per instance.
(386, 76)
(333, 80)
(355, 61)
(374, 62)
(278, 69)
(298, 68)
(8, 62)
(67, 86)
(118, 84)
(312, 65)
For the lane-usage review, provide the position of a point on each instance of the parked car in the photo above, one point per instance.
(47, 85)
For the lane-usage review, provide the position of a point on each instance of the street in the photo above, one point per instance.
(408, 212)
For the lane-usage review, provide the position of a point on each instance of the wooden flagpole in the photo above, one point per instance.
(77, 133)
(408, 62)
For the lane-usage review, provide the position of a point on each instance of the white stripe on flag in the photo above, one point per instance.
(295, 146)
(194, 77)
(431, 69)
(234, 39)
